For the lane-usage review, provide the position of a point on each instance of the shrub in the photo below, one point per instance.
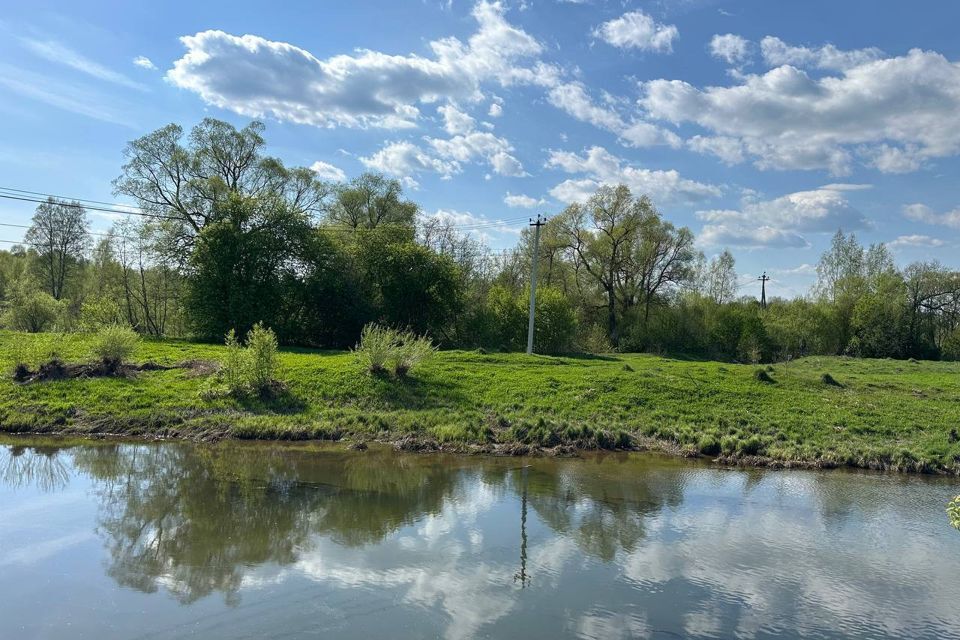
(409, 351)
(953, 512)
(261, 357)
(33, 312)
(382, 347)
(114, 344)
(233, 371)
(762, 376)
(253, 367)
(829, 380)
(377, 345)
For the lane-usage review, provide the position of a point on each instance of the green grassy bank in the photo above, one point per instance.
(871, 413)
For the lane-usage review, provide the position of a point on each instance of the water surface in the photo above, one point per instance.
(252, 541)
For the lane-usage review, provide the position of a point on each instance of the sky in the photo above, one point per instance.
(763, 126)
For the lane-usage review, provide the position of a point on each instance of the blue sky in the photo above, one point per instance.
(764, 126)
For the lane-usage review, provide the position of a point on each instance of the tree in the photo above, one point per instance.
(370, 200)
(663, 256)
(244, 266)
(601, 235)
(59, 236)
(185, 184)
(719, 282)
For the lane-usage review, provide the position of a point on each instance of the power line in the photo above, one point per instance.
(125, 209)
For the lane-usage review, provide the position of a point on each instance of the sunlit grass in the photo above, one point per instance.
(834, 411)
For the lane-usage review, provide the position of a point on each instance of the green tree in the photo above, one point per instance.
(59, 235)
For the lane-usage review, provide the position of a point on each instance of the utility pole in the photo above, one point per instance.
(764, 279)
(533, 278)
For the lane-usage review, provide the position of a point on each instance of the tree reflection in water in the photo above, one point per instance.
(195, 519)
(36, 466)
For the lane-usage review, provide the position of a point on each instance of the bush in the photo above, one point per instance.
(953, 512)
(33, 312)
(829, 380)
(250, 368)
(233, 370)
(114, 344)
(381, 347)
(377, 345)
(261, 357)
(762, 376)
(410, 350)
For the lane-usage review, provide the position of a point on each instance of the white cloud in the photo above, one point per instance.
(573, 98)
(479, 145)
(923, 213)
(144, 62)
(67, 96)
(729, 150)
(637, 30)
(781, 222)
(776, 53)
(600, 167)
(327, 171)
(495, 110)
(731, 48)
(891, 113)
(454, 120)
(522, 201)
(60, 54)
(405, 160)
(915, 240)
(446, 156)
(257, 77)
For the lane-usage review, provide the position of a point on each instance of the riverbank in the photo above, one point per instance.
(819, 411)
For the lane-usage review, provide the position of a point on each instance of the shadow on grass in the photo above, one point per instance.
(410, 392)
(276, 401)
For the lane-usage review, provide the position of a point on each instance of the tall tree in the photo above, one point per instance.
(719, 282)
(370, 200)
(183, 183)
(59, 234)
(601, 234)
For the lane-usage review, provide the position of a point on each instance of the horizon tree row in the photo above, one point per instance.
(231, 237)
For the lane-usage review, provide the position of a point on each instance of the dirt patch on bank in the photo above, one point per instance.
(58, 370)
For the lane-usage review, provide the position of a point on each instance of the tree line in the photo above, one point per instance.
(226, 237)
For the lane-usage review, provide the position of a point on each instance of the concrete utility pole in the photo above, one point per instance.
(764, 279)
(533, 278)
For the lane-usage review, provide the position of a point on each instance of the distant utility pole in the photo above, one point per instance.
(533, 278)
(764, 279)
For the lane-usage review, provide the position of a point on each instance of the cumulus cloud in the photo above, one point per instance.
(598, 166)
(405, 160)
(574, 99)
(455, 121)
(327, 171)
(145, 63)
(729, 150)
(776, 53)
(522, 201)
(637, 30)
(891, 113)
(495, 110)
(256, 77)
(731, 48)
(781, 222)
(446, 156)
(923, 213)
(915, 240)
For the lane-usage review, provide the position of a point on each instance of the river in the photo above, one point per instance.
(173, 540)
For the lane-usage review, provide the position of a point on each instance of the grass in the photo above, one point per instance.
(816, 411)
